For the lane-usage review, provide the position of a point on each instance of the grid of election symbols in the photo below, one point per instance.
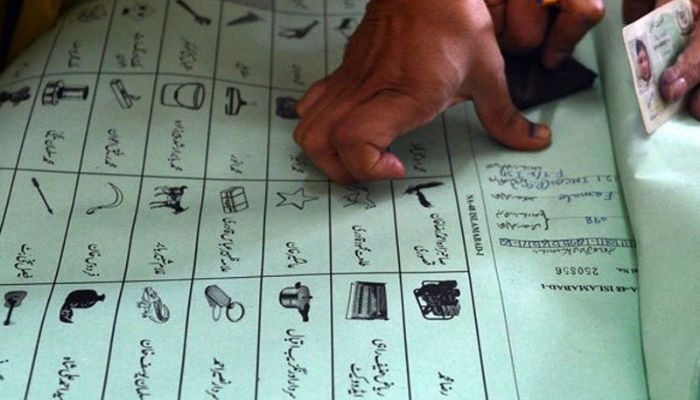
(156, 207)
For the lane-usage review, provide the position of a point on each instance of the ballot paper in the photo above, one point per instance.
(162, 236)
(653, 43)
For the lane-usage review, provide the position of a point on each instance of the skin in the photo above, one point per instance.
(523, 26)
(683, 77)
(409, 60)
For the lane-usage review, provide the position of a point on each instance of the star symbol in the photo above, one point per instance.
(296, 199)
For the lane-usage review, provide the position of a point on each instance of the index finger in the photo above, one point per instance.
(574, 19)
(362, 135)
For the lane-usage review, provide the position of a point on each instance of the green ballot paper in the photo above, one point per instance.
(162, 237)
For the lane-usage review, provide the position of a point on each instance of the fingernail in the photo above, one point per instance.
(673, 91)
(669, 75)
(540, 132)
(394, 166)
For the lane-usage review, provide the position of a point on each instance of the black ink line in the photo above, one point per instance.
(17, 82)
(589, 216)
(14, 175)
(210, 278)
(26, 127)
(201, 204)
(330, 284)
(198, 17)
(330, 217)
(75, 195)
(154, 98)
(194, 178)
(466, 257)
(493, 250)
(400, 275)
(317, 14)
(273, 18)
(294, 89)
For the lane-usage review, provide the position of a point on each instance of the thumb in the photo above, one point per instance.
(497, 113)
(684, 74)
(362, 136)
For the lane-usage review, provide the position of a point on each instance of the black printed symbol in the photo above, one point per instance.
(286, 107)
(118, 200)
(347, 27)
(92, 13)
(199, 18)
(297, 297)
(438, 300)
(358, 196)
(298, 33)
(152, 306)
(173, 198)
(125, 99)
(245, 19)
(2, 378)
(56, 91)
(13, 300)
(78, 299)
(35, 183)
(218, 300)
(234, 102)
(185, 95)
(243, 69)
(417, 190)
(233, 199)
(15, 97)
(138, 10)
(367, 301)
(298, 199)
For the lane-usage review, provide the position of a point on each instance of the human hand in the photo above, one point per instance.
(407, 62)
(684, 75)
(523, 26)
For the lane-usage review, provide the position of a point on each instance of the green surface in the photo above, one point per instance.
(660, 179)
(539, 244)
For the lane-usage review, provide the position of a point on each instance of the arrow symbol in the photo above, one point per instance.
(43, 198)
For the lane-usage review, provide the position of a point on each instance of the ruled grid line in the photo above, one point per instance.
(493, 253)
(403, 304)
(75, 193)
(195, 178)
(443, 118)
(57, 33)
(209, 278)
(330, 217)
(201, 206)
(273, 22)
(157, 77)
(123, 281)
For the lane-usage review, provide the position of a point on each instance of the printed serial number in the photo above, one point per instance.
(588, 271)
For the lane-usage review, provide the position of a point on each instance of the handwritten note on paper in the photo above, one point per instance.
(164, 237)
